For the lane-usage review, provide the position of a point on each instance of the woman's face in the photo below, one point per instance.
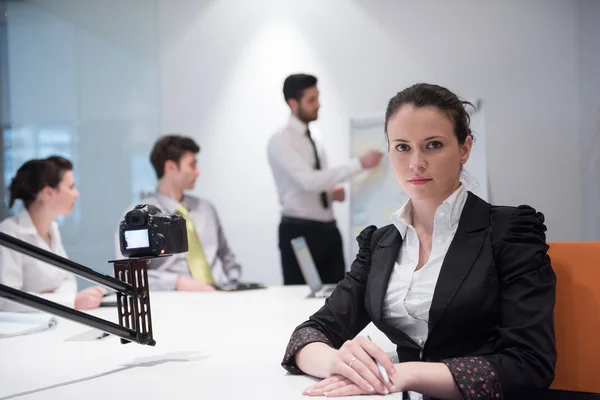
(62, 198)
(424, 152)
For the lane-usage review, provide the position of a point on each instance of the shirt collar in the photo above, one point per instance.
(403, 218)
(27, 227)
(446, 217)
(296, 125)
(168, 205)
(25, 223)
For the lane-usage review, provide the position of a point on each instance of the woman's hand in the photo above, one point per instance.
(355, 362)
(338, 386)
(89, 298)
(335, 386)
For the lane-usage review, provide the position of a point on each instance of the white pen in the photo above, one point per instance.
(386, 378)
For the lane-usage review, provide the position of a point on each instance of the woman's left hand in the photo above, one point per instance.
(338, 386)
(335, 386)
(89, 298)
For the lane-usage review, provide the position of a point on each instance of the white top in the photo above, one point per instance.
(409, 294)
(29, 274)
(298, 183)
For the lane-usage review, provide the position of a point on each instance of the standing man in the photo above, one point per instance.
(209, 260)
(307, 187)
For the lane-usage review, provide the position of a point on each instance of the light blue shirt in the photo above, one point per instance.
(163, 273)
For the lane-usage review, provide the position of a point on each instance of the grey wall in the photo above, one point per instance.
(589, 123)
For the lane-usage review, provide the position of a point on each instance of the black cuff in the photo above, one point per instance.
(299, 339)
(475, 378)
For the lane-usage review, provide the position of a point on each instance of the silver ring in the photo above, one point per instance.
(351, 362)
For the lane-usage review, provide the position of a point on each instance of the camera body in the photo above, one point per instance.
(147, 232)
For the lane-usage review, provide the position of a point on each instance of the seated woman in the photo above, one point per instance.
(464, 289)
(47, 189)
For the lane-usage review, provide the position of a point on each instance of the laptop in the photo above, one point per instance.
(309, 269)
(238, 286)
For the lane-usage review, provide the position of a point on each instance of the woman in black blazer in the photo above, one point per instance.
(480, 287)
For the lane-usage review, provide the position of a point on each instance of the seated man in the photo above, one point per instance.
(209, 259)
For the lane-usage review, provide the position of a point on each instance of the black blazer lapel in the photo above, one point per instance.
(461, 255)
(383, 259)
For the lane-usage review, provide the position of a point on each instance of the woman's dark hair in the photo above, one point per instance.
(35, 175)
(428, 95)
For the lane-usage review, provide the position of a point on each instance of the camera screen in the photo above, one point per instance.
(137, 239)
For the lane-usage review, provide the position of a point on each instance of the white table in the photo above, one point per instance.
(209, 346)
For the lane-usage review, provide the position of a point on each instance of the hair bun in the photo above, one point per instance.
(32, 177)
(19, 189)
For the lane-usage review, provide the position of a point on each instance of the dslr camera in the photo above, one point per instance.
(147, 232)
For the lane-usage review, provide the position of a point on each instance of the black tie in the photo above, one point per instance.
(317, 166)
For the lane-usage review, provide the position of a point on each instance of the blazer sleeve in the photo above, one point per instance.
(344, 314)
(524, 357)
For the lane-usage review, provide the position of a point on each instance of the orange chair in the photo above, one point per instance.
(577, 315)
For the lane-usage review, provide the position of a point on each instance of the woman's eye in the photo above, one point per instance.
(434, 145)
(402, 147)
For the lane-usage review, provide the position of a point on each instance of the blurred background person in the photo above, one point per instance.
(47, 189)
(209, 259)
(307, 186)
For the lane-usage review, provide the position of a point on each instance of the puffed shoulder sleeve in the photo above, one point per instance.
(344, 315)
(524, 356)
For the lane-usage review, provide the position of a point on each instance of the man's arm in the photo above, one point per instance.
(283, 157)
(231, 267)
(159, 279)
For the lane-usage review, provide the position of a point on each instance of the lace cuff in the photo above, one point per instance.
(299, 339)
(475, 378)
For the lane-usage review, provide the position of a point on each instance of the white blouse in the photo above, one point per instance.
(29, 274)
(409, 293)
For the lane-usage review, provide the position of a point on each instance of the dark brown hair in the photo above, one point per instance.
(34, 175)
(294, 86)
(428, 95)
(170, 147)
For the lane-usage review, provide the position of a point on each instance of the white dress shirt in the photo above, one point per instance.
(29, 274)
(163, 273)
(409, 293)
(298, 183)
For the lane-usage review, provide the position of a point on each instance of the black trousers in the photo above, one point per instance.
(325, 244)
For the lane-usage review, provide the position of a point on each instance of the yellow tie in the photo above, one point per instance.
(196, 258)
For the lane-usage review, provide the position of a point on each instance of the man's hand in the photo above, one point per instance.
(186, 284)
(338, 194)
(371, 159)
